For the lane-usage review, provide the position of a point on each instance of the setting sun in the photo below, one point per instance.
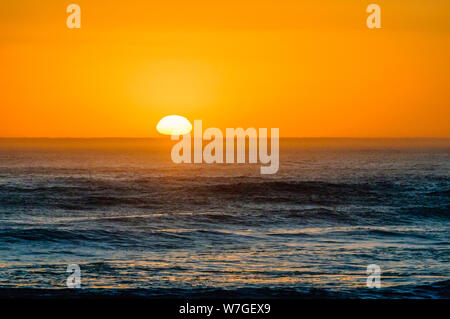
(174, 125)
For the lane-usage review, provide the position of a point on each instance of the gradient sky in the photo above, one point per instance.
(311, 68)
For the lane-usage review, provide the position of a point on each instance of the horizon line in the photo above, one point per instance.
(281, 137)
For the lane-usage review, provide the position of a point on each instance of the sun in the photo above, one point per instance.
(174, 125)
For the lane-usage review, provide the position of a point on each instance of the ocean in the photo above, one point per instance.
(139, 225)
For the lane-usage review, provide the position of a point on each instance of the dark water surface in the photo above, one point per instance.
(138, 224)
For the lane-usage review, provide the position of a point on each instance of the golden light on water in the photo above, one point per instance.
(174, 125)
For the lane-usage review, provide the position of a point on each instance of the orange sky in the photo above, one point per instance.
(311, 68)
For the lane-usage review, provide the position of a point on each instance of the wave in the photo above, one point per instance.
(78, 193)
(435, 290)
(100, 237)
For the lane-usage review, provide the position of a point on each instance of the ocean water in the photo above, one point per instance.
(139, 225)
